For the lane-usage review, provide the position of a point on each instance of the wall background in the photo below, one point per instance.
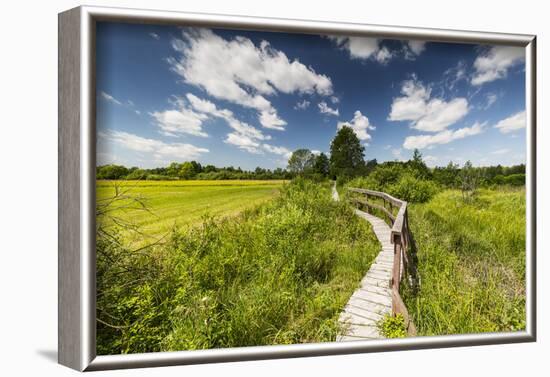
(28, 186)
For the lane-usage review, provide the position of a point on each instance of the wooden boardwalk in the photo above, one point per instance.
(373, 299)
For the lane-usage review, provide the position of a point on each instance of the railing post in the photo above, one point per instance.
(396, 271)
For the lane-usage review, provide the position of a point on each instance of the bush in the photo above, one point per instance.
(398, 182)
(392, 327)
(512, 179)
(413, 190)
(137, 174)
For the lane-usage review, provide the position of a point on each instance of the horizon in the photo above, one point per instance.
(162, 97)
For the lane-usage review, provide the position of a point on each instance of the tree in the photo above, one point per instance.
(321, 165)
(418, 166)
(346, 154)
(187, 170)
(469, 180)
(301, 161)
(111, 172)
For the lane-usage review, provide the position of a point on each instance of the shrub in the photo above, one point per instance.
(413, 190)
(137, 174)
(277, 274)
(392, 327)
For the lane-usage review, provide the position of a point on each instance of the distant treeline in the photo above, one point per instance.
(189, 170)
(345, 163)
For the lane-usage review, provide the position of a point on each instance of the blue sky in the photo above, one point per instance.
(243, 98)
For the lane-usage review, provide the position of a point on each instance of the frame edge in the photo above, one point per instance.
(69, 256)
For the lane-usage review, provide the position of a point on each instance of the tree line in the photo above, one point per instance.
(345, 163)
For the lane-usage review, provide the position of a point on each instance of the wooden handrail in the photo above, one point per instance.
(402, 240)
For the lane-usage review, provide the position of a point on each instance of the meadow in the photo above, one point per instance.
(277, 273)
(164, 205)
(471, 262)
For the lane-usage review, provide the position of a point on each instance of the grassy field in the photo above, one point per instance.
(181, 203)
(471, 261)
(279, 273)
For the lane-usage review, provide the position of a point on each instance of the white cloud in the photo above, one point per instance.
(397, 153)
(426, 113)
(443, 137)
(181, 120)
(243, 142)
(501, 151)
(249, 72)
(416, 47)
(358, 47)
(159, 149)
(491, 99)
(154, 36)
(493, 64)
(302, 105)
(110, 98)
(512, 123)
(244, 136)
(326, 109)
(431, 161)
(383, 55)
(363, 48)
(360, 124)
(334, 99)
(282, 151)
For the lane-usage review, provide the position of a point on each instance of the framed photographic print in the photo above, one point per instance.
(235, 188)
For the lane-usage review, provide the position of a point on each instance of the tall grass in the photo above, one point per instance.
(277, 274)
(471, 261)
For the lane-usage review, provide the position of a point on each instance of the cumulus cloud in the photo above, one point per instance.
(249, 74)
(493, 64)
(302, 105)
(326, 109)
(363, 48)
(423, 112)
(416, 47)
(282, 151)
(443, 137)
(512, 123)
(180, 120)
(159, 149)
(360, 124)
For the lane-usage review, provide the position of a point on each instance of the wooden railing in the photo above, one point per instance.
(395, 211)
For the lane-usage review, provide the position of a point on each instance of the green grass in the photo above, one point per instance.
(471, 261)
(183, 203)
(279, 273)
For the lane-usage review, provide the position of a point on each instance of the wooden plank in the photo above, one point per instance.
(378, 298)
(375, 282)
(363, 313)
(369, 305)
(347, 319)
(378, 290)
(363, 331)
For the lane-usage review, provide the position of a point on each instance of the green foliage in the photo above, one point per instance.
(346, 154)
(321, 165)
(137, 174)
(398, 180)
(512, 179)
(188, 170)
(301, 162)
(412, 189)
(278, 274)
(392, 326)
(471, 263)
(111, 172)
